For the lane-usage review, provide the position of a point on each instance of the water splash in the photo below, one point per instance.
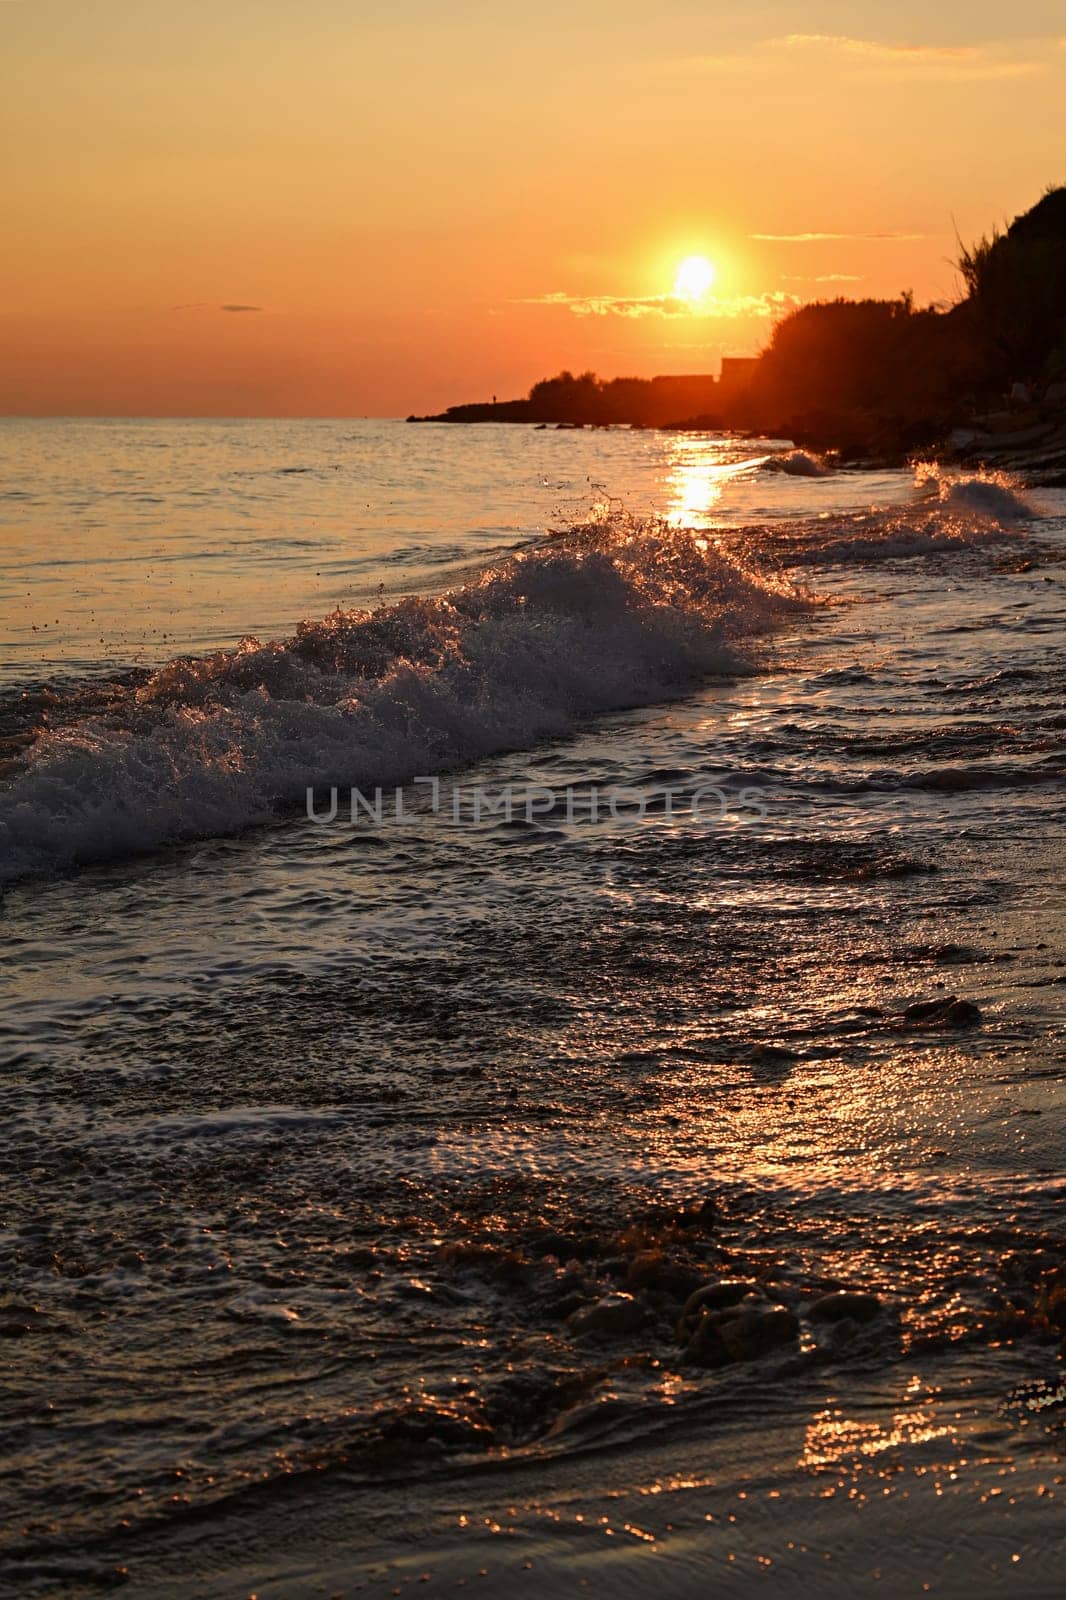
(616, 613)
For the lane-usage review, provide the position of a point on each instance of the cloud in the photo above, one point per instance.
(971, 62)
(202, 305)
(825, 277)
(667, 305)
(606, 305)
(931, 62)
(817, 238)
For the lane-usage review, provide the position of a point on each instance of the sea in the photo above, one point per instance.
(468, 892)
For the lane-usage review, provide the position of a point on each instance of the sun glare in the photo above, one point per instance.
(694, 277)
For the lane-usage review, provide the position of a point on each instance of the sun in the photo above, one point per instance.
(694, 277)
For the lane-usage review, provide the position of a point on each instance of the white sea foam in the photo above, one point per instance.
(798, 464)
(615, 614)
(996, 495)
(953, 515)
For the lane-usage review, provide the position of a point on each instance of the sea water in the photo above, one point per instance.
(325, 1140)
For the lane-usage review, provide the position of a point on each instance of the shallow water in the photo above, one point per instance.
(322, 1138)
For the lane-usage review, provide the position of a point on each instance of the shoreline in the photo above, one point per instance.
(746, 1498)
(1031, 443)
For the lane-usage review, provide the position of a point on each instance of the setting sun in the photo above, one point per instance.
(401, 506)
(694, 277)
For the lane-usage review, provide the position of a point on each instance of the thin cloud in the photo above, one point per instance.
(203, 305)
(941, 63)
(666, 305)
(607, 305)
(817, 238)
(824, 277)
(969, 62)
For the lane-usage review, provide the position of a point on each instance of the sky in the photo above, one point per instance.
(354, 208)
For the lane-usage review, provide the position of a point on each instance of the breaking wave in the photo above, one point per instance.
(614, 614)
(872, 537)
(798, 464)
(985, 494)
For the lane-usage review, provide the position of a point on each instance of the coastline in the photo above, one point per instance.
(874, 382)
(1029, 442)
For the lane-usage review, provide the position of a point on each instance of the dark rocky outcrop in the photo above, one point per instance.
(742, 1332)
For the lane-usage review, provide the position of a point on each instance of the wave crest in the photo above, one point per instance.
(613, 614)
(995, 495)
(798, 464)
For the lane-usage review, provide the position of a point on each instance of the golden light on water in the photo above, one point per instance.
(694, 278)
(835, 1441)
(698, 476)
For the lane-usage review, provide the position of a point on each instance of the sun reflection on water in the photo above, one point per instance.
(834, 1441)
(699, 471)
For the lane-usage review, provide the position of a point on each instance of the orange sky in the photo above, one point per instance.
(418, 203)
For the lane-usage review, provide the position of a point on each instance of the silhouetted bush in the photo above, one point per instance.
(1016, 293)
